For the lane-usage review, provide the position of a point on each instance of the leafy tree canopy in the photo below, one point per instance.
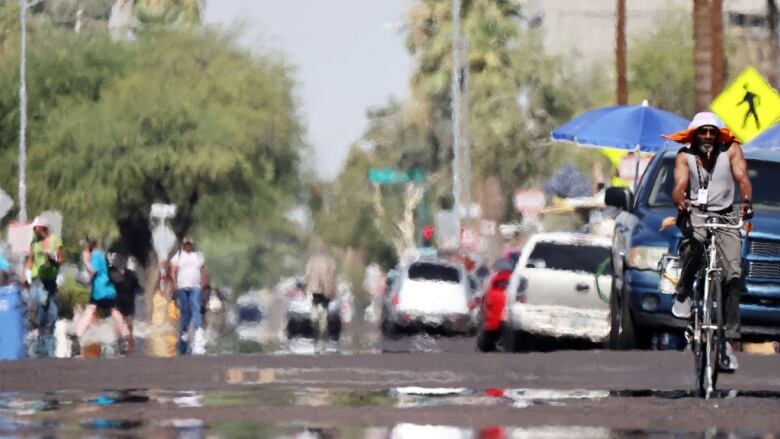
(181, 116)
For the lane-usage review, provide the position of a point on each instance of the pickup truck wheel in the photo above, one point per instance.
(517, 341)
(621, 330)
(389, 329)
(614, 319)
(487, 340)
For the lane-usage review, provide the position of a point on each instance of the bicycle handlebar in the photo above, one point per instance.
(713, 226)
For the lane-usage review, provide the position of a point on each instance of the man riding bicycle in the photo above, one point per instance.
(705, 173)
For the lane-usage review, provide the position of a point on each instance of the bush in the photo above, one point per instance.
(71, 294)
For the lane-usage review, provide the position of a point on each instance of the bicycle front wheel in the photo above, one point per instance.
(711, 341)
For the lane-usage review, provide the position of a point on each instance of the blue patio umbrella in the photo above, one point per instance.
(768, 139)
(630, 127)
(624, 127)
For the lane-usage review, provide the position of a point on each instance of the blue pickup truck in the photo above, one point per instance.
(638, 307)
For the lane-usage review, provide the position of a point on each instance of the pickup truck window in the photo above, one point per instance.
(433, 272)
(571, 257)
(764, 176)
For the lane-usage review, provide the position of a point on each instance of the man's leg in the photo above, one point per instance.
(199, 336)
(85, 320)
(197, 321)
(730, 254)
(691, 252)
(183, 301)
(50, 313)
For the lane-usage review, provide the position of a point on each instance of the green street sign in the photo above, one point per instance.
(395, 176)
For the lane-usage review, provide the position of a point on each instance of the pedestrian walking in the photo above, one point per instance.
(122, 274)
(41, 271)
(189, 275)
(103, 294)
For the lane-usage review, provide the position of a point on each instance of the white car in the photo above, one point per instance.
(559, 289)
(429, 295)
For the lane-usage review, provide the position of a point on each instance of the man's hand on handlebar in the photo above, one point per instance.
(746, 210)
(684, 206)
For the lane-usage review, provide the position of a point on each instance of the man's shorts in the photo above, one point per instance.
(104, 305)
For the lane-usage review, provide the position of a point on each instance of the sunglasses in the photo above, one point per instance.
(708, 130)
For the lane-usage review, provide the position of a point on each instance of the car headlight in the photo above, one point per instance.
(645, 257)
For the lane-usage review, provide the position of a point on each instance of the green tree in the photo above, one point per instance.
(661, 66)
(181, 116)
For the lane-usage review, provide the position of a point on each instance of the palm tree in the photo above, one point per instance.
(708, 57)
(506, 65)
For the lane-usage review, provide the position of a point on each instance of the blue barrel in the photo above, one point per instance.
(13, 323)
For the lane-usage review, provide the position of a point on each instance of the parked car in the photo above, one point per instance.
(249, 314)
(492, 308)
(639, 308)
(428, 295)
(559, 289)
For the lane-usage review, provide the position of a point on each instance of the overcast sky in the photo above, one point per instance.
(349, 54)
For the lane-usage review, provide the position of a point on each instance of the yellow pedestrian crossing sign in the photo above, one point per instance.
(748, 105)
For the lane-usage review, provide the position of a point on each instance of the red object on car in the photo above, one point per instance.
(495, 297)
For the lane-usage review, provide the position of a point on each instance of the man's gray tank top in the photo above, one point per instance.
(720, 185)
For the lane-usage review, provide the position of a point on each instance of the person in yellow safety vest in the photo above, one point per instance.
(41, 271)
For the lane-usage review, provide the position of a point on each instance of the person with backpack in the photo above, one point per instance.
(122, 273)
(103, 294)
(189, 275)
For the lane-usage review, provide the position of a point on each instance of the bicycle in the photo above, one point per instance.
(706, 339)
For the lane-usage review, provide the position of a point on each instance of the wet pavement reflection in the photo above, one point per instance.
(25, 414)
(196, 429)
(22, 404)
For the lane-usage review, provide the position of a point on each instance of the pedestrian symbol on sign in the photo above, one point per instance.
(752, 100)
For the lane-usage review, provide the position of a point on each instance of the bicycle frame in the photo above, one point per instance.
(706, 334)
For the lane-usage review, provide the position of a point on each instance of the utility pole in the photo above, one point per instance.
(23, 112)
(772, 18)
(456, 110)
(466, 139)
(620, 54)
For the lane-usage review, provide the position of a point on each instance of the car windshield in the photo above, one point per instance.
(433, 272)
(763, 176)
(570, 257)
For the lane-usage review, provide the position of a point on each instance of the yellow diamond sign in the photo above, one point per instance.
(748, 105)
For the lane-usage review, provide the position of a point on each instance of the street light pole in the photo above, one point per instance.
(23, 112)
(456, 108)
(466, 136)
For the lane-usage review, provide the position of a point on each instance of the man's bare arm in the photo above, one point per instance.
(740, 171)
(681, 176)
(29, 264)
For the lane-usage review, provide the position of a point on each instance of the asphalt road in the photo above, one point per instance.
(394, 391)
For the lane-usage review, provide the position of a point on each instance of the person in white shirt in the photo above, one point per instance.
(189, 278)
